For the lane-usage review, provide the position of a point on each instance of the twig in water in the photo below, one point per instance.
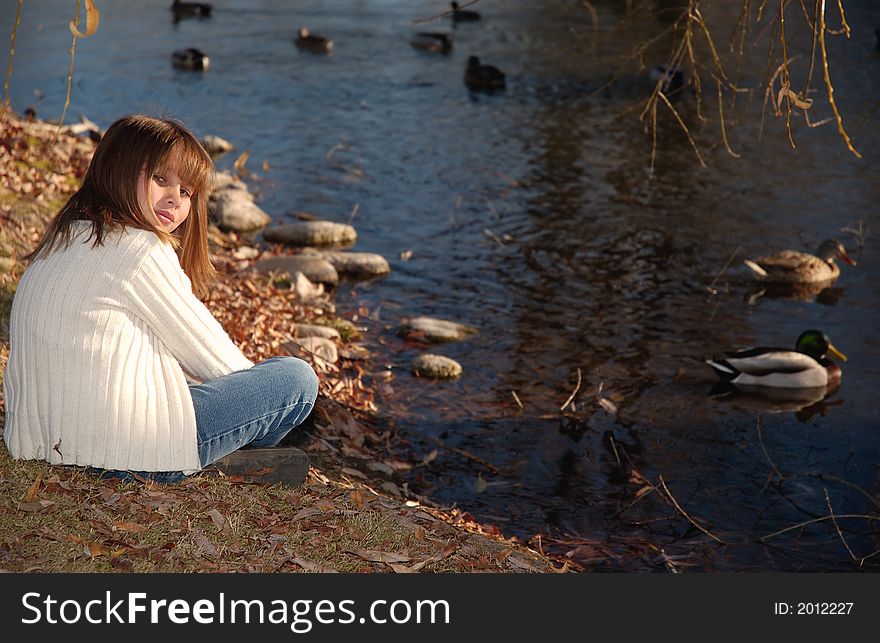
(685, 514)
(764, 449)
(516, 399)
(815, 520)
(493, 236)
(573, 393)
(353, 214)
(614, 448)
(836, 526)
(711, 286)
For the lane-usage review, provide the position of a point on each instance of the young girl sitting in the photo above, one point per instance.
(114, 363)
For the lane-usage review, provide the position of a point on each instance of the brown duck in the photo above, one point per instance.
(796, 267)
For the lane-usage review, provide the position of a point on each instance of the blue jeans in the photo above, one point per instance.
(255, 407)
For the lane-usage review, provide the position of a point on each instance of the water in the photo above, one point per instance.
(591, 264)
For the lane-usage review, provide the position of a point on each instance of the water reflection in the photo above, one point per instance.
(805, 403)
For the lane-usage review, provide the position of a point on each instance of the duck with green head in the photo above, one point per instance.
(805, 367)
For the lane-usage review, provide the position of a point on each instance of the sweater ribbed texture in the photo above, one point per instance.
(102, 340)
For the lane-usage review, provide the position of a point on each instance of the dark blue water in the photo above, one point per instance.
(594, 262)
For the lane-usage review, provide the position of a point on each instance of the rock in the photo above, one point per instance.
(320, 350)
(234, 210)
(223, 180)
(305, 289)
(429, 365)
(358, 264)
(438, 330)
(314, 330)
(312, 233)
(216, 145)
(312, 266)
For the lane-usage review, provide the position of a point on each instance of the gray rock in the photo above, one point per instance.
(312, 233)
(314, 330)
(223, 180)
(315, 348)
(438, 366)
(234, 210)
(358, 264)
(216, 145)
(314, 268)
(439, 330)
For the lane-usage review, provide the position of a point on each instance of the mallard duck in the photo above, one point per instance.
(190, 58)
(432, 41)
(463, 15)
(181, 9)
(796, 267)
(313, 42)
(804, 367)
(480, 77)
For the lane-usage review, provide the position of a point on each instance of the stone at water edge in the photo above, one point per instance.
(317, 270)
(358, 264)
(315, 330)
(312, 233)
(439, 330)
(320, 351)
(437, 366)
(234, 210)
(216, 145)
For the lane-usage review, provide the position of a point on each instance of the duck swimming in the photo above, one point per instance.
(432, 41)
(796, 267)
(313, 42)
(181, 9)
(190, 58)
(804, 367)
(463, 15)
(480, 77)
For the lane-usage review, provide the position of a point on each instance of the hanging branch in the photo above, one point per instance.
(11, 54)
(828, 84)
(92, 18)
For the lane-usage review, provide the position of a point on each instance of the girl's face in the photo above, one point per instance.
(164, 195)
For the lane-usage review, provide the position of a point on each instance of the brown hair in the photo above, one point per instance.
(134, 147)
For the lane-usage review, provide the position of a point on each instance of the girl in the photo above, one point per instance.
(114, 363)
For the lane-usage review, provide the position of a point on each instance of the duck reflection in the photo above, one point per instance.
(822, 293)
(806, 403)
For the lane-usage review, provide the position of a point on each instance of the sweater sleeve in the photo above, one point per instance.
(161, 294)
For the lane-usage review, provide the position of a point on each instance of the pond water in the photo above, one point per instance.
(534, 215)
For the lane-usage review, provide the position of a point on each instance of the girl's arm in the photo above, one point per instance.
(161, 294)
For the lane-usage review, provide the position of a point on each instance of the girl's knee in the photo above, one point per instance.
(299, 375)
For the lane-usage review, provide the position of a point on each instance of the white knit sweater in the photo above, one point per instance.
(100, 339)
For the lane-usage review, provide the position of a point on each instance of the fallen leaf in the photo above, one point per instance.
(35, 506)
(31, 494)
(312, 566)
(219, 520)
(353, 472)
(204, 544)
(308, 512)
(430, 457)
(375, 556)
(93, 550)
(403, 569)
(128, 526)
(380, 466)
